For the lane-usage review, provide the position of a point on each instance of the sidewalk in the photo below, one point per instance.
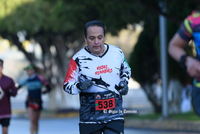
(191, 126)
(161, 124)
(47, 114)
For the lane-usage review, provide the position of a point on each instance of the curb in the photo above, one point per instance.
(164, 125)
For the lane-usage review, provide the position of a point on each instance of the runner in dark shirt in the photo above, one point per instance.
(7, 89)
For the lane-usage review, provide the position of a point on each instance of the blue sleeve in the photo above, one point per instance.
(22, 83)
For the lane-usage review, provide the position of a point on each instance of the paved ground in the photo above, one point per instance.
(70, 126)
(66, 122)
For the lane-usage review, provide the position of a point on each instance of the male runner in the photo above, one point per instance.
(99, 73)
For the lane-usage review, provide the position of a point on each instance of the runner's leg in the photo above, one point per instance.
(37, 116)
(5, 130)
(5, 123)
(34, 117)
(110, 131)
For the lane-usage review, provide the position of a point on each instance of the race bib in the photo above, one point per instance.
(1, 93)
(104, 101)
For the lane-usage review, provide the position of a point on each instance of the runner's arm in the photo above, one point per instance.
(125, 71)
(22, 83)
(177, 45)
(71, 80)
(13, 91)
(45, 83)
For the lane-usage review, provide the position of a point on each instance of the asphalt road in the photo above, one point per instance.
(67, 126)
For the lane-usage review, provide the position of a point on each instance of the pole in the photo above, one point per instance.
(163, 51)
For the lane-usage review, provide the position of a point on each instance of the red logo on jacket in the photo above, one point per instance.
(103, 69)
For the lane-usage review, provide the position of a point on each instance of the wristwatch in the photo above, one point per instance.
(182, 61)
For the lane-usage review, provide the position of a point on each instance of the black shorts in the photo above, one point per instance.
(116, 125)
(5, 122)
(34, 105)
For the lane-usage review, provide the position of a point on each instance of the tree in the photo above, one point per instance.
(58, 25)
(145, 60)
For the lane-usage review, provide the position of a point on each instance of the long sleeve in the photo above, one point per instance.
(125, 71)
(45, 83)
(71, 79)
(22, 83)
(13, 88)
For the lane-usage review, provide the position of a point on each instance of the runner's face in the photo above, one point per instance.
(30, 72)
(95, 39)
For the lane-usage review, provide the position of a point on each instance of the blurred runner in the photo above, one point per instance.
(7, 89)
(34, 84)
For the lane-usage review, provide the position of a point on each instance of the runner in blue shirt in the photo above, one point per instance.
(34, 84)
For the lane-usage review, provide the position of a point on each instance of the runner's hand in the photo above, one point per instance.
(193, 67)
(123, 88)
(1, 93)
(10, 93)
(85, 84)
